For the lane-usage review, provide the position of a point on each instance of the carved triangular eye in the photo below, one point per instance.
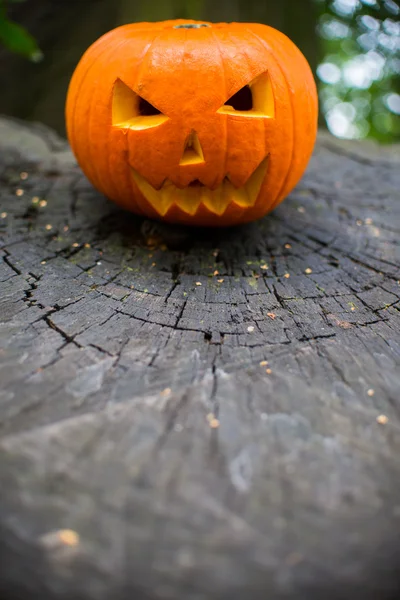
(131, 111)
(253, 100)
(242, 100)
(146, 109)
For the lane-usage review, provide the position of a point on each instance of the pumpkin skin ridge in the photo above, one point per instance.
(277, 201)
(140, 67)
(225, 122)
(142, 203)
(139, 203)
(142, 57)
(270, 64)
(225, 45)
(92, 134)
(109, 134)
(268, 48)
(263, 197)
(93, 173)
(212, 181)
(286, 189)
(103, 135)
(140, 163)
(71, 122)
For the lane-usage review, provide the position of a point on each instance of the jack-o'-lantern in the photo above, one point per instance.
(197, 123)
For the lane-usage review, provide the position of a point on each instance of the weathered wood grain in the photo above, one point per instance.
(137, 408)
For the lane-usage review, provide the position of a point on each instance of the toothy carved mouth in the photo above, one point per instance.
(191, 197)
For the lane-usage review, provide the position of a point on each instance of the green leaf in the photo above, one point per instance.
(17, 39)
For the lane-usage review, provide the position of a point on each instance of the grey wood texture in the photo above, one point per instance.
(137, 409)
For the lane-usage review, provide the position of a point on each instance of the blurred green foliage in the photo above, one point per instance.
(360, 67)
(15, 37)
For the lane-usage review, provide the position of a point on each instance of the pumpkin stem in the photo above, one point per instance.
(191, 26)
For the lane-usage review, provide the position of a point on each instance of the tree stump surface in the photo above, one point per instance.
(199, 415)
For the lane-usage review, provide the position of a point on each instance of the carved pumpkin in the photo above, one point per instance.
(197, 123)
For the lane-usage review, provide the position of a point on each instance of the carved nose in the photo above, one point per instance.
(192, 152)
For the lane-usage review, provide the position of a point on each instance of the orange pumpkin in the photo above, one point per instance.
(196, 123)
